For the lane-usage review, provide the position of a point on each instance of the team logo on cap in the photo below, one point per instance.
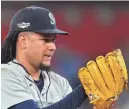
(52, 19)
(23, 25)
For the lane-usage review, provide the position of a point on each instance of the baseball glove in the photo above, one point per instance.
(104, 79)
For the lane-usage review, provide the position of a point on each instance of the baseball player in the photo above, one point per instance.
(27, 81)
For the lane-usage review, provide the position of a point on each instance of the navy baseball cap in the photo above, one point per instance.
(35, 19)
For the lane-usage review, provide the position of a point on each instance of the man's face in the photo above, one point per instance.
(40, 49)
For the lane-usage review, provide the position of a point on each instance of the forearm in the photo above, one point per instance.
(71, 101)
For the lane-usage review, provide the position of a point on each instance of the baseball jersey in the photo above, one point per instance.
(18, 86)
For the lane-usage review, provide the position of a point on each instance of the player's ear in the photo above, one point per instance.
(22, 40)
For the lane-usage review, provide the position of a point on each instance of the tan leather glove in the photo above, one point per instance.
(104, 79)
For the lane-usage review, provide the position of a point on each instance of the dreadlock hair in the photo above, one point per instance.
(8, 47)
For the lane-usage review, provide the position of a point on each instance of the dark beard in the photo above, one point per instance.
(44, 67)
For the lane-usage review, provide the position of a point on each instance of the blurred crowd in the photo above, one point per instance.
(95, 28)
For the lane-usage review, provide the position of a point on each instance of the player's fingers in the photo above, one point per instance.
(94, 107)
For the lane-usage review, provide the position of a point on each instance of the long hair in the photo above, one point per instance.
(8, 47)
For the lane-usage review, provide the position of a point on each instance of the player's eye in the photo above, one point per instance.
(49, 40)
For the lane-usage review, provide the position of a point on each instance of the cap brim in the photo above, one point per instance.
(52, 31)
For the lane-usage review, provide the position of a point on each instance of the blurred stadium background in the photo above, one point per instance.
(95, 28)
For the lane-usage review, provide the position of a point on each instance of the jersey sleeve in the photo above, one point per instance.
(13, 89)
(63, 84)
(29, 104)
(67, 88)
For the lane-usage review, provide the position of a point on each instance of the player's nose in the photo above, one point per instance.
(51, 46)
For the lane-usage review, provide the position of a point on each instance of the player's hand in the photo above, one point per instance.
(94, 107)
